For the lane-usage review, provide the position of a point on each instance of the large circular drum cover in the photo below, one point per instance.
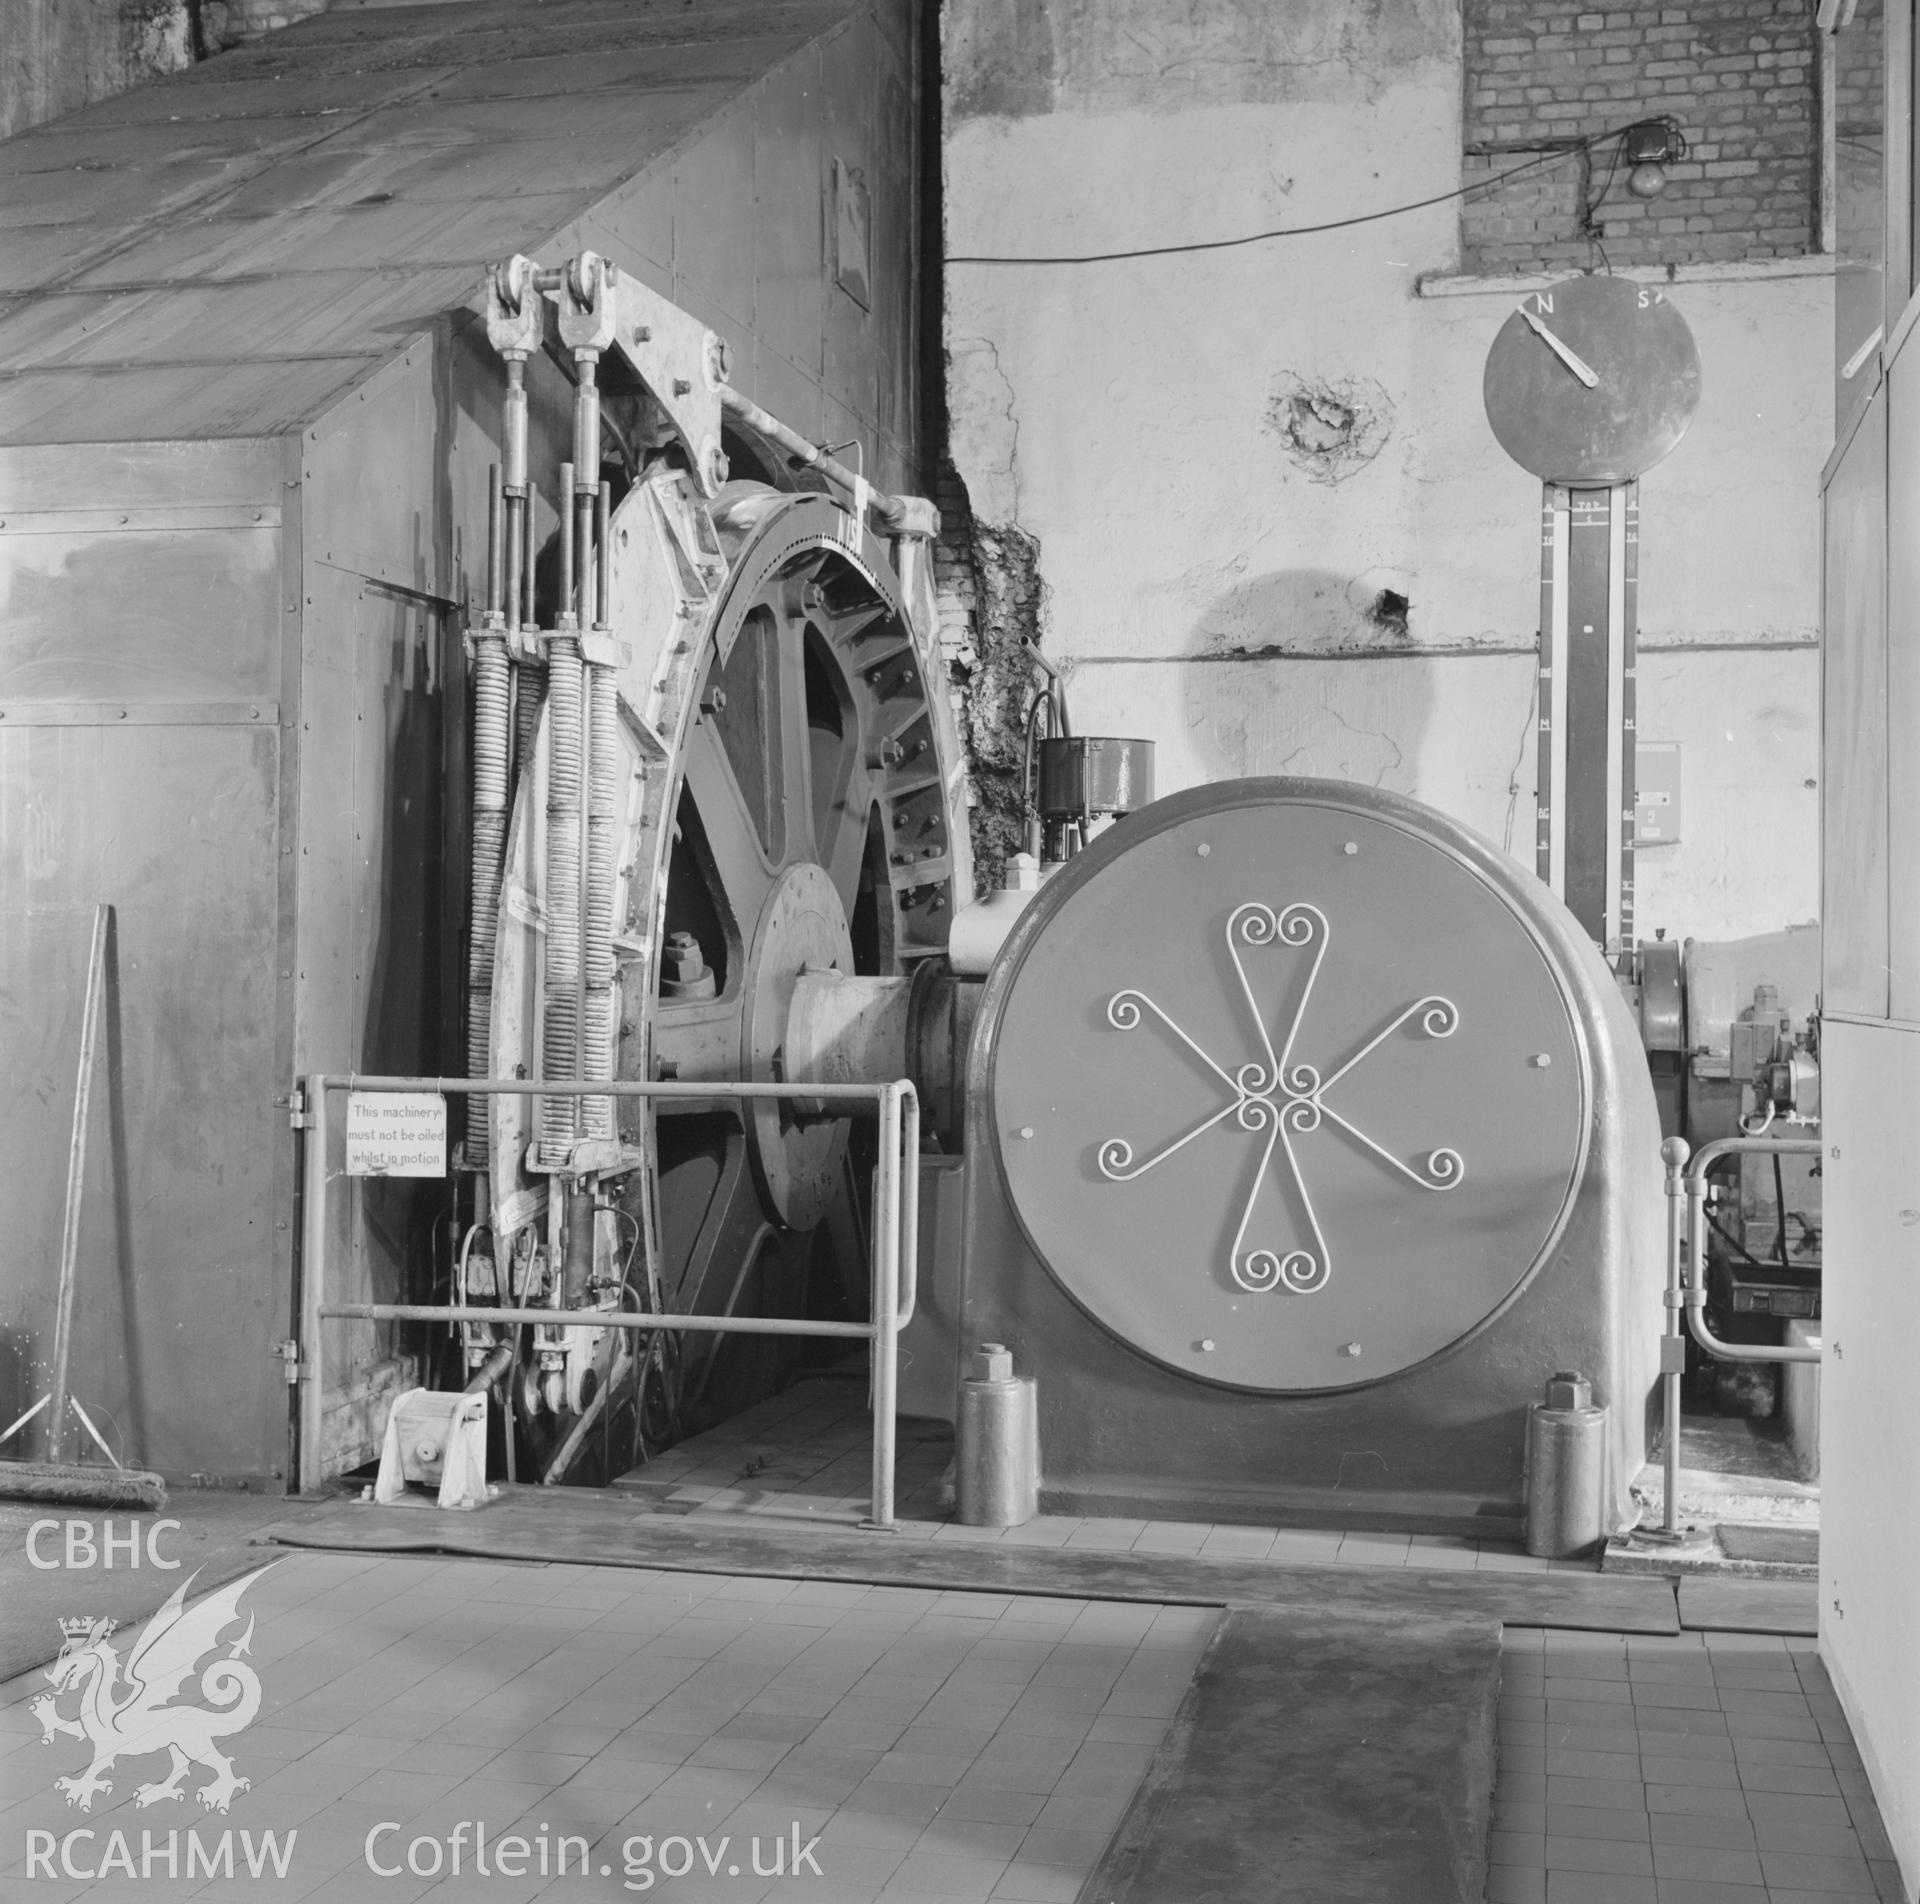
(1287, 1091)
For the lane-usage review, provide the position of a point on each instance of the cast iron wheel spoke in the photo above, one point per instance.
(739, 862)
(844, 854)
(728, 1238)
(796, 747)
(847, 1231)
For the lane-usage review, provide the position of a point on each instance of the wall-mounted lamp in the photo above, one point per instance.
(1648, 148)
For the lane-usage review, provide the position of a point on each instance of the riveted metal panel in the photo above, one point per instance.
(790, 189)
(171, 614)
(168, 811)
(713, 218)
(180, 1293)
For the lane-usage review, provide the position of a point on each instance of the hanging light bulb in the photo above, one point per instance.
(1649, 148)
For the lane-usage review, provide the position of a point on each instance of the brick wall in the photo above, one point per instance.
(1738, 75)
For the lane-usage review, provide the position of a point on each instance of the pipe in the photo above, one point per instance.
(491, 1370)
(589, 1319)
(513, 488)
(563, 614)
(1696, 1292)
(886, 1306)
(496, 537)
(529, 616)
(602, 571)
(893, 512)
(1673, 1349)
(586, 474)
(595, 1408)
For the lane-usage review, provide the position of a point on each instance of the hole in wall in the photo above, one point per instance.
(1389, 612)
(1329, 428)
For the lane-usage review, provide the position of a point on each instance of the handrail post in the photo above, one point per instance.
(886, 1293)
(909, 1207)
(310, 1371)
(1673, 1342)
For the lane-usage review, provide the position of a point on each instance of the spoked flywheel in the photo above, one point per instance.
(784, 787)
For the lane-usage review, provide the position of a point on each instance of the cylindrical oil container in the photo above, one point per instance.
(998, 1443)
(1566, 1469)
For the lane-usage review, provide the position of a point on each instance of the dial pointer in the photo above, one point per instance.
(1573, 363)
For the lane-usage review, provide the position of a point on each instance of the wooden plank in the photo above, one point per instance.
(1726, 1604)
(597, 1529)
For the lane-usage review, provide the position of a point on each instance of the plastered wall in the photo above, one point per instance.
(1233, 462)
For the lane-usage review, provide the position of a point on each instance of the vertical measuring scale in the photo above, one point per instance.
(1589, 590)
(1589, 383)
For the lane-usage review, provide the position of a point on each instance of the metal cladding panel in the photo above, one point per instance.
(201, 322)
(1902, 406)
(167, 402)
(181, 1275)
(1165, 1376)
(139, 766)
(790, 206)
(1855, 899)
(380, 671)
(715, 216)
(1870, 1463)
(163, 610)
(128, 476)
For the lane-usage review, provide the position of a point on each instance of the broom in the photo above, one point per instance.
(57, 1479)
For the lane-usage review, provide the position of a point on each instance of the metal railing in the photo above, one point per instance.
(1686, 1290)
(895, 1229)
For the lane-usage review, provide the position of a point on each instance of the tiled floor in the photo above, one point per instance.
(1713, 1768)
(940, 1747)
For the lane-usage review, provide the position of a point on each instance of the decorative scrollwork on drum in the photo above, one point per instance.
(1276, 1096)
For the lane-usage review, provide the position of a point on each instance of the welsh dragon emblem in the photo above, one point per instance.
(124, 1709)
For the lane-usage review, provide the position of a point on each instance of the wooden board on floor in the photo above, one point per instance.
(1727, 1604)
(1327, 1756)
(599, 1529)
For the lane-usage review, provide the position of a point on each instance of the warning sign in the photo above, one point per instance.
(396, 1134)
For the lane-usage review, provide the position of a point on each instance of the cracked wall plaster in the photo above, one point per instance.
(992, 605)
(1329, 428)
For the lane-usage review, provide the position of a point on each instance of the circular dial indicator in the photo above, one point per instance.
(1592, 381)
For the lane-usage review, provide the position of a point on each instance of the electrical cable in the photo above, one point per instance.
(1307, 231)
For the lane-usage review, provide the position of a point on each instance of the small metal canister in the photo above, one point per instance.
(998, 1443)
(1566, 1469)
